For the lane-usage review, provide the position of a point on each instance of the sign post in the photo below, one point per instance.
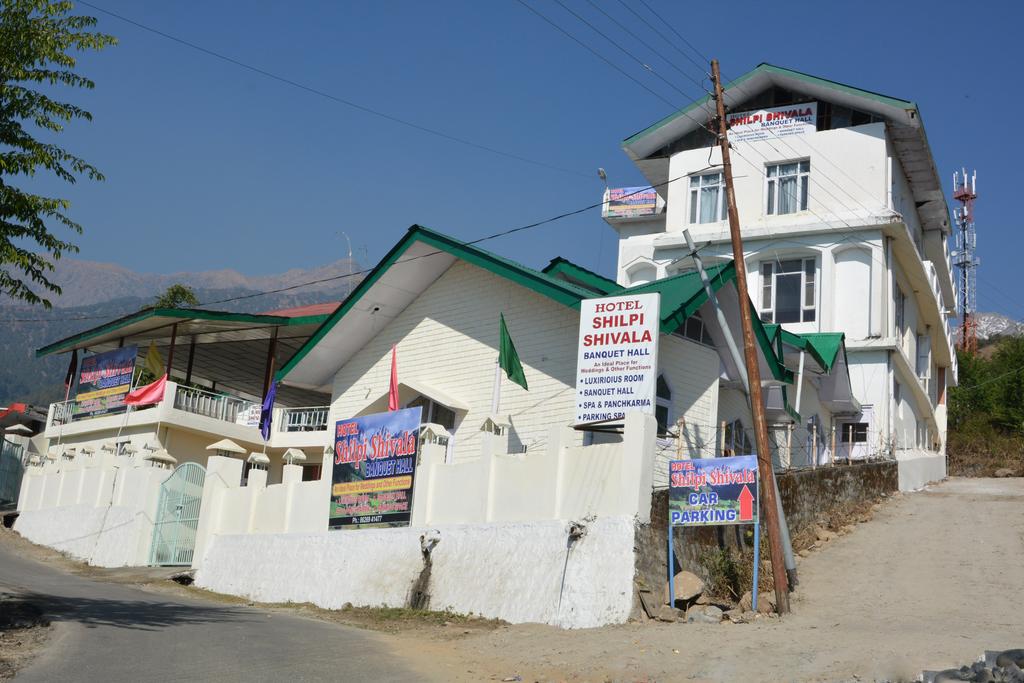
(617, 357)
(374, 468)
(709, 492)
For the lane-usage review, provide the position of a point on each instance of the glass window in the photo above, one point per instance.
(788, 187)
(854, 432)
(787, 291)
(663, 402)
(737, 441)
(707, 198)
(434, 412)
(694, 330)
(900, 306)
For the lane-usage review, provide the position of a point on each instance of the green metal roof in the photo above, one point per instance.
(826, 345)
(823, 347)
(763, 68)
(681, 295)
(563, 268)
(554, 288)
(123, 326)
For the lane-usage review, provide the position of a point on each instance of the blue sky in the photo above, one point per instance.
(211, 166)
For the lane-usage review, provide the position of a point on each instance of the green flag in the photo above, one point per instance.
(508, 359)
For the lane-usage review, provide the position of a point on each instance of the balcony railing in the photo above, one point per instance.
(310, 419)
(217, 406)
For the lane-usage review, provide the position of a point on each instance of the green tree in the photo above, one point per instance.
(177, 296)
(37, 39)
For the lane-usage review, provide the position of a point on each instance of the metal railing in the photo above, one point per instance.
(12, 468)
(208, 404)
(308, 419)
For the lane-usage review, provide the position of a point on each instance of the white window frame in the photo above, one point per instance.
(803, 182)
(808, 312)
(695, 194)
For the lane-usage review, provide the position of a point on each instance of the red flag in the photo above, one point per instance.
(393, 389)
(151, 393)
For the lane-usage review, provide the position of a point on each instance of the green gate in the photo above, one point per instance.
(177, 516)
(11, 470)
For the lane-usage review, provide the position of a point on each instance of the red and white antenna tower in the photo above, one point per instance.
(965, 259)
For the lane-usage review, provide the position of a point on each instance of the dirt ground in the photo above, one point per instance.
(931, 582)
(23, 633)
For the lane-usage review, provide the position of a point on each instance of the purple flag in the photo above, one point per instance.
(267, 411)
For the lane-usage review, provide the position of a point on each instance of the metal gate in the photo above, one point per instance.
(177, 516)
(11, 470)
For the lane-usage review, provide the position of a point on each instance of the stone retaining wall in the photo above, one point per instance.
(806, 496)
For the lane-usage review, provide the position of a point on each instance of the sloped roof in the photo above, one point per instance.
(423, 255)
(904, 126)
(565, 269)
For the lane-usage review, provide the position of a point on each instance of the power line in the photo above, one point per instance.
(604, 59)
(333, 278)
(331, 97)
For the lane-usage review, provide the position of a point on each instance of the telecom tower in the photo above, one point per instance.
(964, 258)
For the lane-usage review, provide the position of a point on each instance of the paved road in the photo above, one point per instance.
(113, 632)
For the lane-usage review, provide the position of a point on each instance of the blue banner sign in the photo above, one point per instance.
(103, 381)
(374, 468)
(712, 491)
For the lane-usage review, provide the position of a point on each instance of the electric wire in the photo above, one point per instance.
(329, 96)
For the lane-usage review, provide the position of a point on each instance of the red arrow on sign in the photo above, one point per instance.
(746, 504)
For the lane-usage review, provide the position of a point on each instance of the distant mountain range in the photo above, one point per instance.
(95, 293)
(992, 325)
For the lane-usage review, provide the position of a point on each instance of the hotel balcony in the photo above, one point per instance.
(214, 415)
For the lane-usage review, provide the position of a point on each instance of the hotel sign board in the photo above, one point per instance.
(624, 202)
(776, 122)
(617, 357)
(374, 468)
(103, 381)
(710, 491)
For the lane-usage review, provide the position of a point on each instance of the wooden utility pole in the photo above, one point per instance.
(764, 454)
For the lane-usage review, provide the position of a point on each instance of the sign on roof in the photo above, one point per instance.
(374, 467)
(104, 380)
(777, 122)
(711, 491)
(617, 358)
(624, 202)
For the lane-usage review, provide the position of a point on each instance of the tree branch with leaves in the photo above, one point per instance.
(37, 39)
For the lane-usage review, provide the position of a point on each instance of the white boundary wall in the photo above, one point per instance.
(502, 520)
(97, 508)
(918, 468)
(511, 571)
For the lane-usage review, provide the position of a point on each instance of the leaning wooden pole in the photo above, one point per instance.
(764, 454)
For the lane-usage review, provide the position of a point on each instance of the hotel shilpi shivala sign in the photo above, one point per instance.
(374, 468)
(775, 122)
(712, 491)
(104, 380)
(617, 358)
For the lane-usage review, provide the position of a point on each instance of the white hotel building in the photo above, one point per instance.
(844, 224)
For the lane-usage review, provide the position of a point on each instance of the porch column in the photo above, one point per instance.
(191, 358)
(268, 376)
(170, 352)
